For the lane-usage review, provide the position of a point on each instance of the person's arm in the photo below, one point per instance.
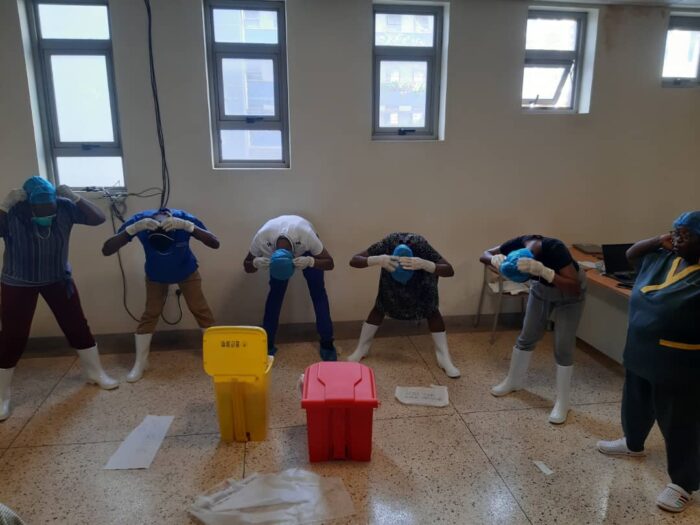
(94, 216)
(493, 257)
(636, 253)
(443, 268)
(252, 263)
(115, 243)
(198, 232)
(206, 237)
(12, 198)
(322, 261)
(567, 281)
(364, 260)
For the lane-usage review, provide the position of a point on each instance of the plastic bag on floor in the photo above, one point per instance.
(294, 496)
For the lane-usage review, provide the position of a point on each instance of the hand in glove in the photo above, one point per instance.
(536, 268)
(12, 198)
(304, 262)
(65, 192)
(388, 262)
(142, 225)
(261, 262)
(416, 263)
(497, 260)
(173, 223)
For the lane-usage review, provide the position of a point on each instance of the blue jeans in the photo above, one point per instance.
(545, 302)
(319, 297)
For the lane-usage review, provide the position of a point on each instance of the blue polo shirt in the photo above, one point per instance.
(176, 265)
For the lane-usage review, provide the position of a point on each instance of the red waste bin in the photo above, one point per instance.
(339, 398)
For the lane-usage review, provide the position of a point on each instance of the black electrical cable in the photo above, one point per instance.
(165, 173)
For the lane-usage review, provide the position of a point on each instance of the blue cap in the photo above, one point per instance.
(282, 265)
(39, 191)
(401, 274)
(690, 220)
(509, 268)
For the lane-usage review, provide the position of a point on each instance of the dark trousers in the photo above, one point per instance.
(677, 411)
(18, 304)
(319, 297)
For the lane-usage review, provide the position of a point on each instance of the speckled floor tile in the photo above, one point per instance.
(423, 470)
(78, 413)
(33, 380)
(483, 365)
(587, 486)
(66, 484)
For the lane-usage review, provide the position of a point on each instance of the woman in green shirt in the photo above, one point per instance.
(662, 357)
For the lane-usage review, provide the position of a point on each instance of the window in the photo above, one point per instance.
(682, 56)
(248, 83)
(75, 83)
(407, 65)
(554, 47)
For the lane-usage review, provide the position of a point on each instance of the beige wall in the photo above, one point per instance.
(622, 172)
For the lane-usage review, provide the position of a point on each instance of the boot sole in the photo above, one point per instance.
(625, 454)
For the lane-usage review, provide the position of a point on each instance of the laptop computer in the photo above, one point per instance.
(616, 264)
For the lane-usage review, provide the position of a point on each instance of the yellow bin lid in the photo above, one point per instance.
(235, 351)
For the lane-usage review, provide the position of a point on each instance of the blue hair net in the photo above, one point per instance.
(509, 268)
(39, 191)
(281, 265)
(400, 274)
(690, 220)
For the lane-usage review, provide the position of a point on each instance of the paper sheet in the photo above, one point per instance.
(435, 396)
(544, 468)
(141, 446)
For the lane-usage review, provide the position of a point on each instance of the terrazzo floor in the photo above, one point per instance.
(468, 463)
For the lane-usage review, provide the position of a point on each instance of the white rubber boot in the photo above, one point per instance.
(618, 447)
(93, 371)
(561, 406)
(366, 337)
(515, 380)
(5, 383)
(442, 353)
(142, 342)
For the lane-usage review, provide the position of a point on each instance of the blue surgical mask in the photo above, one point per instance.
(44, 221)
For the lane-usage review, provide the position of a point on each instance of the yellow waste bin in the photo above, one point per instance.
(236, 358)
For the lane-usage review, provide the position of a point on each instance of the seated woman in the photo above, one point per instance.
(412, 297)
(558, 291)
(662, 357)
(36, 224)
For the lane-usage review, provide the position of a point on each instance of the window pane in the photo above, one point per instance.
(82, 98)
(74, 21)
(403, 30)
(245, 27)
(239, 144)
(402, 94)
(80, 172)
(682, 54)
(249, 86)
(540, 87)
(548, 34)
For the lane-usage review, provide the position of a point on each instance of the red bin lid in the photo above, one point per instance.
(339, 384)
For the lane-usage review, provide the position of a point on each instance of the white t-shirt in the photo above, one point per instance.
(298, 230)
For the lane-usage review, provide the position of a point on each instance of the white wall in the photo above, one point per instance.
(622, 172)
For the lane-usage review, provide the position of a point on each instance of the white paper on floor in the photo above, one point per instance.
(294, 496)
(141, 446)
(544, 468)
(435, 396)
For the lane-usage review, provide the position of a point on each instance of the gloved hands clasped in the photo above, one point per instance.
(388, 262)
(416, 263)
(536, 268)
(169, 224)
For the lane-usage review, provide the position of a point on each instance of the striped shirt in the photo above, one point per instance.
(34, 255)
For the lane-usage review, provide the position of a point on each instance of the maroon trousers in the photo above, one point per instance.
(17, 305)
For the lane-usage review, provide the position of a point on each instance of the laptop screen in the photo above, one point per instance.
(615, 257)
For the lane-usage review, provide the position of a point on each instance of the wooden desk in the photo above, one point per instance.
(604, 321)
(597, 278)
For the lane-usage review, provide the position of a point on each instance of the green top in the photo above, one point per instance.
(663, 336)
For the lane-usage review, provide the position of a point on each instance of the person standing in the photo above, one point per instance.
(36, 223)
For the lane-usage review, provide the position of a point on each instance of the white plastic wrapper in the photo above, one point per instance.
(294, 496)
(435, 396)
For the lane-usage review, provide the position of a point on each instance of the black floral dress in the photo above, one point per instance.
(418, 298)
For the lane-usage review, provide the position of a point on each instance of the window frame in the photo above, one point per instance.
(42, 51)
(686, 22)
(431, 55)
(570, 60)
(217, 52)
